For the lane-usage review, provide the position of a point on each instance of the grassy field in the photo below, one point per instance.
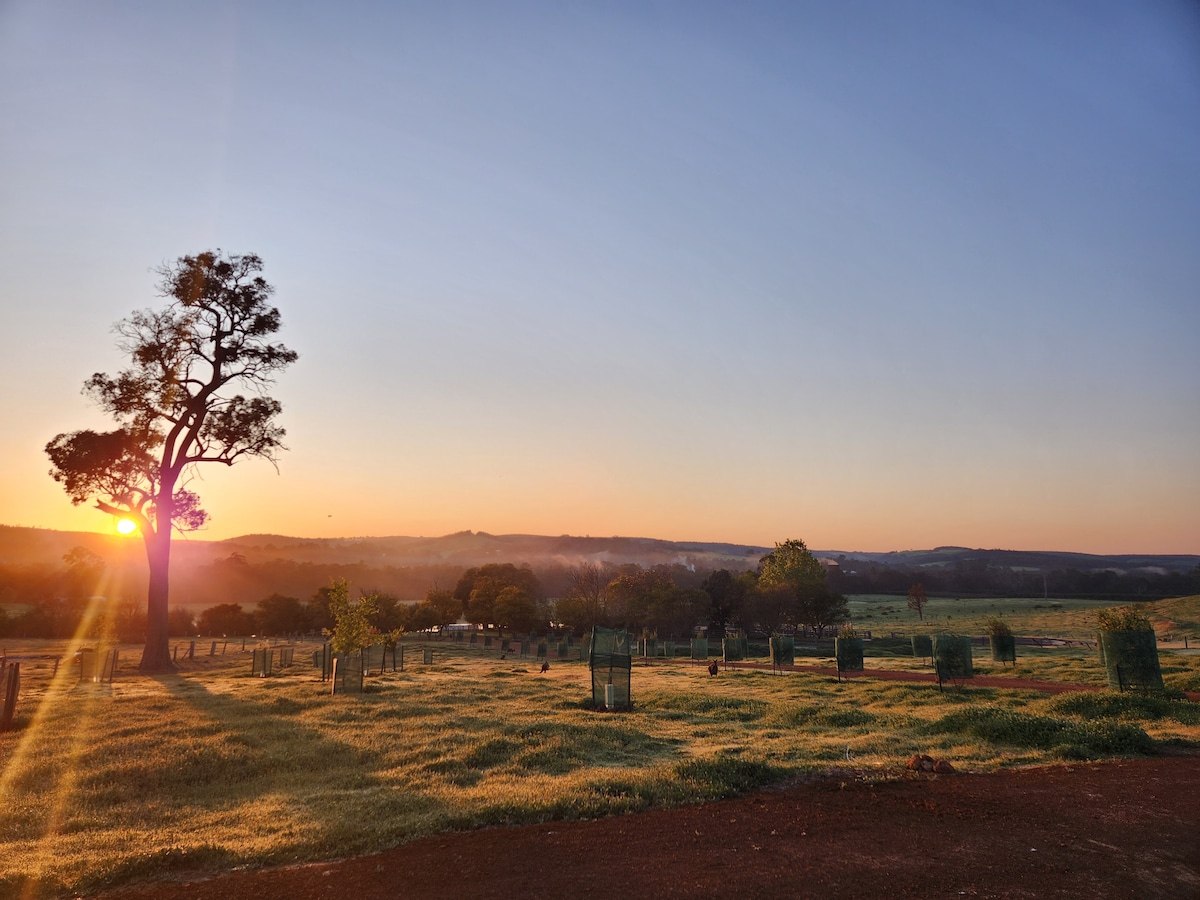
(210, 768)
(1072, 619)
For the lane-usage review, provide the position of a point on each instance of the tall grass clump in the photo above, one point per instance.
(1065, 738)
(726, 774)
(1127, 706)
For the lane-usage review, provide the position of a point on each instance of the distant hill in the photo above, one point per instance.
(1027, 560)
(38, 546)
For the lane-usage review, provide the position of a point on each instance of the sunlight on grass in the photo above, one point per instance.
(211, 768)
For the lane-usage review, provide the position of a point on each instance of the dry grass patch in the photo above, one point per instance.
(211, 769)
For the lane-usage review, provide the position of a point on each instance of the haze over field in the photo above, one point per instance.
(876, 275)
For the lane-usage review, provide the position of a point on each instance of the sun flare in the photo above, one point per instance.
(126, 526)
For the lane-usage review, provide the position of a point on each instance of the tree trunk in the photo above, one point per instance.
(156, 656)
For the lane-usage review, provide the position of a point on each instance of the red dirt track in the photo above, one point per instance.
(1127, 828)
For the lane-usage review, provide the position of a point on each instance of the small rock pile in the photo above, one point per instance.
(921, 763)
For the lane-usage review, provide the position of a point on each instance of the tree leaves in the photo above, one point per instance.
(791, 565)
(172, 404)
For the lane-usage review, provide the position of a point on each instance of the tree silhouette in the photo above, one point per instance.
(175, 408)
(917, 599)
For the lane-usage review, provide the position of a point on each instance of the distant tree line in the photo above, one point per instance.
(235, 580)
(89, 597)
(788, 589)
(977, 578)
(85, 597)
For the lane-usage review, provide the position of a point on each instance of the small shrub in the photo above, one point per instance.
(996, 627)
(1123, 618)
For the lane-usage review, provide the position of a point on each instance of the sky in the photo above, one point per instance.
(876, 275)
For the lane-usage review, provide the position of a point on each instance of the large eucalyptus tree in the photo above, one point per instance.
(177, 406)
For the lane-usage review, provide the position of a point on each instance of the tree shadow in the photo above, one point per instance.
(290, 783)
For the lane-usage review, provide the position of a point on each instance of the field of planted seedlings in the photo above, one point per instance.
(212, 768)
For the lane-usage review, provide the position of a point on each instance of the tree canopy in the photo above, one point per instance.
(793, 589)
(790, 564)
(178, 405)
(352, 627)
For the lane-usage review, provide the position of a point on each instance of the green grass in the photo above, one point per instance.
(1072, 619)
(211, 769)
(1064, 738)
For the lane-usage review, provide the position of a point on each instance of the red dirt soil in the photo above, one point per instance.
(1126, 828)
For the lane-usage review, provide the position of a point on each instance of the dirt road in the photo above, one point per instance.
(1128, 828)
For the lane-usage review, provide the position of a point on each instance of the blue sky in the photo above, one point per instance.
(876, 275)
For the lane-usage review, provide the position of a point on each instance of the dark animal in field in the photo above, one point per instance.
(712, 668)
(546, 666)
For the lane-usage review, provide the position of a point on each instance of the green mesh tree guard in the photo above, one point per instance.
(562, 648)
(323, 659)
(1100, 648)
(348, 673)
(668, 649)
(86, 658)
(699, 648)
(731, 649)
(109, 669)
(849, 654)
(386, 654)
(610, 661)
(1004, 648)
(1131, 660)
(261, 662)
(922, 646)
(952, 657)
(783, 650)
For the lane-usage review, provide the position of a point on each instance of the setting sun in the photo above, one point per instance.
(126, 526)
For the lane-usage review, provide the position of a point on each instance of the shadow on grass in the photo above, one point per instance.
(286, 786)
